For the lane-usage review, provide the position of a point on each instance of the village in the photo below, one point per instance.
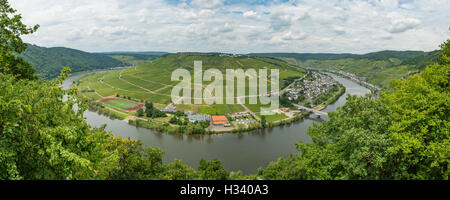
(312, 87)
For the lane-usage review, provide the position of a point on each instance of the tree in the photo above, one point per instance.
(212, 170)
(11, 44)
(148, 106)
(444, 55)
(140, 113)
(420, 129)
(283, 169)
(173, 120)
(263, 121)
(44, 137)
(136, 162)
(179, 171)
(351, 145)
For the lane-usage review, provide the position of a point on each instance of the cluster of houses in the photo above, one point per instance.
(216, 120)
(167, 110)
(239, 115)
(231, 55)
(311, 89)
(242, 118)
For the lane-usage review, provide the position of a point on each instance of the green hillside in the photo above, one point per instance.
(379, 68)
(132, 59)
(151, 81)
(49, 62)
(422, 60)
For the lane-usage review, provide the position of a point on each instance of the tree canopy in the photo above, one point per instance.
(11, 30)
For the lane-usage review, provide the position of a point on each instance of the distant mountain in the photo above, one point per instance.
(422, 60)
(133, 59)
(148, 53)
(381, 55)
(304, 56)
(49, 62)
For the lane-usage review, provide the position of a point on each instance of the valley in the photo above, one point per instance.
(237, 151)
(148, 86)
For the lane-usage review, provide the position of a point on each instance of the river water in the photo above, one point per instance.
(244, 151)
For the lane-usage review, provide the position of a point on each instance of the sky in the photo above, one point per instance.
(233, 26)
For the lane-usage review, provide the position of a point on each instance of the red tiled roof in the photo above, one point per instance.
(219, 120)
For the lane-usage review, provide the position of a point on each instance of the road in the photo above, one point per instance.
(317, 112)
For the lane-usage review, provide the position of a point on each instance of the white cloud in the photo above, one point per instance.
(207, 3)
(356, 26)
(294, 36)
(402, 25)
(251, 14)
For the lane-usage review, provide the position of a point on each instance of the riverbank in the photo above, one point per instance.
(373, 88)
(332, 99)
(192, 130)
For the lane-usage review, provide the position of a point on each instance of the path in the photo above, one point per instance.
(251, 112)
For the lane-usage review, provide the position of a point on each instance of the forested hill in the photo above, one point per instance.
(381, 55)
(49, 62)
(134, 58)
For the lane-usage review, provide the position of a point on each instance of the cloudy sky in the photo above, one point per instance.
(235, 26)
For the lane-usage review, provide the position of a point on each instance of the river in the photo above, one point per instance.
(244, 151)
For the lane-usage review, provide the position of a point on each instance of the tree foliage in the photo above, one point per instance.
(420, 108)
(49, 62)
(11, 30)
(44, 137)
(212, 170)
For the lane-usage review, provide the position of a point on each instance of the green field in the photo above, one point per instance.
(151, 81)
(273, 118)
(122, 104)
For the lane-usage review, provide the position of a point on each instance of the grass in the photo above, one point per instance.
(121, 104)
(275, 117)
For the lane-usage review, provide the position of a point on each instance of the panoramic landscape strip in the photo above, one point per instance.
(222, 99)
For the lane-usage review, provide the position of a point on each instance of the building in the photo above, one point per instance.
(167, 110)
(198, 117)
(239, 115)
(220, 120)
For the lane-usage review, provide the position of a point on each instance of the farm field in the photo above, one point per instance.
(121, 104)
(151, 81)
